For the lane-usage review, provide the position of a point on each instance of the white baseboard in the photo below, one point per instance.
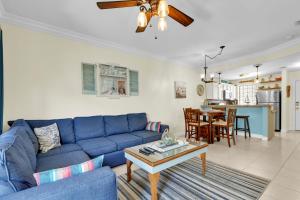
(283, 131)
(254, 135)
(240, 133)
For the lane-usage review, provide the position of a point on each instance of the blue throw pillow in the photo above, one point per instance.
(29, 131)
(17, 161)
(66, 172)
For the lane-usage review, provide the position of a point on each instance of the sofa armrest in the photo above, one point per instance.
(99, 184)
(163, 127)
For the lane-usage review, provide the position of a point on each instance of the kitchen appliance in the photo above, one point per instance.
(273, 98)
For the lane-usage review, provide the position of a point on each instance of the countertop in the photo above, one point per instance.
(254, 106)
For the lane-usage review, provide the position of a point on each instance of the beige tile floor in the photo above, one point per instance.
(277, 160)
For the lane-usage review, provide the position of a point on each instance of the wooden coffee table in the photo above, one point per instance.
(157, 162)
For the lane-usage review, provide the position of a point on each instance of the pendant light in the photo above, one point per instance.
(142, 18)
(219, 73)
(257, 78)
(162, 24)
(163, 8)
(204, 77)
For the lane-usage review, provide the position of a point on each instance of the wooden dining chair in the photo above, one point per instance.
(185, 110)
(204, 130)
(227, 126)
(196, 127)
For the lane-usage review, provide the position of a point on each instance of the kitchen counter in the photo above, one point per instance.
(261, 119)
(254, 106)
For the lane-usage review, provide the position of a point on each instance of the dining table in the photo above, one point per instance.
(211, 115)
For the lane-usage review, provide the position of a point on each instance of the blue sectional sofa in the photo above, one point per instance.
(82, 138)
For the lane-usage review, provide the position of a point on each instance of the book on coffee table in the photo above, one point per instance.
(164, 148)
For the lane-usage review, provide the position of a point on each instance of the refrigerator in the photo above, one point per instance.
(273, 98)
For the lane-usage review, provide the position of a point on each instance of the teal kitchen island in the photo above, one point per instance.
(261, 119)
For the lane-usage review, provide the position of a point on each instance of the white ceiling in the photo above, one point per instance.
(245, 27)
(290, 63)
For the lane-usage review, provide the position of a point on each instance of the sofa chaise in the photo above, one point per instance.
(82, 139)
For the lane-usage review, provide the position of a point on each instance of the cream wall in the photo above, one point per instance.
(42, 80)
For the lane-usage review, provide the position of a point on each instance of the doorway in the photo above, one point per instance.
(297, 105)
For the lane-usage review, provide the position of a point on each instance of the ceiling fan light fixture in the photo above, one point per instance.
(162, 24)
(142, 19)
(163, 8)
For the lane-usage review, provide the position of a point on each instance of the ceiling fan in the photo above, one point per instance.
(156, 8)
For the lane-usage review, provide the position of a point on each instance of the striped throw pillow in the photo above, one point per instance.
(62, 173)
(153, 126)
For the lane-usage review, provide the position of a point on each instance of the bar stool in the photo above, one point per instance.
(246, 127)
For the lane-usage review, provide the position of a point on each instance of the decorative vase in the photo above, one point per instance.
(168, 138)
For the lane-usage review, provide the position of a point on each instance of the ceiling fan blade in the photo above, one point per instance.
(117, 4)
(179, 16)
(142, 29)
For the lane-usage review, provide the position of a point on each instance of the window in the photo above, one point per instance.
(247, 94)
(134, 83)
(88, 78)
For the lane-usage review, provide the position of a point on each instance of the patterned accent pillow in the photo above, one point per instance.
(66, 172)
(153, 126)
(48, 137)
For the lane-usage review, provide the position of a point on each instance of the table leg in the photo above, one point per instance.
(203, 158)
(129, 163)
(153, 178)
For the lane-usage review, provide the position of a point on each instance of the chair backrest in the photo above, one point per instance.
(185, 112)
(193, 115)
(231, 117)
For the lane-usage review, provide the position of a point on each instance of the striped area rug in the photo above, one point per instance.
(185, 181)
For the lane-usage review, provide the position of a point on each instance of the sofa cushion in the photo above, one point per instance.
(65, 127)
(137, 121)
(66, 148)
(97, 146)
(27, 145)
(147, 136)
(89, 127)
(54, 175)
(114, 159)
(17, 160)
(61, 160)
(29, 131)
(116, 124)
(125, 140)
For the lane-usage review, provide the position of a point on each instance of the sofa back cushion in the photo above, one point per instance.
(65, 127)
(29, 131)
(17, 161)
(116, 124)
(137, 121)
(89, 127)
